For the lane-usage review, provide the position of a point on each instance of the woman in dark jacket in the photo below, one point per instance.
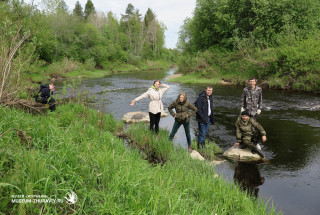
(182, 116)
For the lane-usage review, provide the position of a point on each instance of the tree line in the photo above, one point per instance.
(85, 34)
(274, 40)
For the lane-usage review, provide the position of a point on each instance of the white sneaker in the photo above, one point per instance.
(258, 146)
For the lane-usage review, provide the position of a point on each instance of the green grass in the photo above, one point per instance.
(97, 73)
(75, 149)
(209, 151)
(199, 78)
(70, 69)
(195, 78)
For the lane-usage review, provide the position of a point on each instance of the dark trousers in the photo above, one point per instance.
(175, 128)
(154, 122)
(50, 101)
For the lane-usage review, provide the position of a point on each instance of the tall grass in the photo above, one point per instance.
(70, 150)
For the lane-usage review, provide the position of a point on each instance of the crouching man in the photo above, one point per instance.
(45, 96)
(247, 133)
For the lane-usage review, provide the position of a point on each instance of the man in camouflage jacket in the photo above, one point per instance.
(252, 99)
(247, 133)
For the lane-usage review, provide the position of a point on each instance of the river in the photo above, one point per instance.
(291, 120)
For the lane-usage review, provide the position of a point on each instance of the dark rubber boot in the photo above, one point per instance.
(259, 152)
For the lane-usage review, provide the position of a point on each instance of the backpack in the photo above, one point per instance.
(36, 91)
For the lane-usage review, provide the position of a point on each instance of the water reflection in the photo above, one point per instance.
(248, 177)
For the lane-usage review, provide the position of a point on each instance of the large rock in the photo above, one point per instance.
(241, 154)
(196, 155)
(134, 117)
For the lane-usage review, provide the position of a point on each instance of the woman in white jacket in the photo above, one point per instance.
(155, 106)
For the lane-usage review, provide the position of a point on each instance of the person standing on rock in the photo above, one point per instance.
(245, 135)
(182, 116)
(204, 114)
(155, 93)
(252, 99)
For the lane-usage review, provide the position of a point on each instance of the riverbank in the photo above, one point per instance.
(68, 69)
(281, 67)
(77, 149)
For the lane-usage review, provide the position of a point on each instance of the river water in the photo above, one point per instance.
(291, 120)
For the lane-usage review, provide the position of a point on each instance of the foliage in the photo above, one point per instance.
(82, 36)
(78, 11)
(275, 41)
(14, 55)
(88, 9)
(228, 22)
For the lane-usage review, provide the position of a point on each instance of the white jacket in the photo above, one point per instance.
(155, 105)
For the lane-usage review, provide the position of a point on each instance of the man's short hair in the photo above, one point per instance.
(209, 87)
(52, 84)
(252, 78)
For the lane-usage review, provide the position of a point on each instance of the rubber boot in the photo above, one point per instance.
(259, 152)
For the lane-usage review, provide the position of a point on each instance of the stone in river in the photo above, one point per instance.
(134, 117)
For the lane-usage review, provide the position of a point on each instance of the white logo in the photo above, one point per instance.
(71, 197)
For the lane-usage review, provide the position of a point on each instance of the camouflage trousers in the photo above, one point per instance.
(247, 142)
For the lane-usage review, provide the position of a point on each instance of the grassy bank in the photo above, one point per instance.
(75, 149)
(293, 66)
(68, 69)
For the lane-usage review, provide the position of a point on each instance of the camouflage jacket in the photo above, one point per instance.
(244, 129)
(251, 100)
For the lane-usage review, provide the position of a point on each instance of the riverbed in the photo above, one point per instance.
(291, 178)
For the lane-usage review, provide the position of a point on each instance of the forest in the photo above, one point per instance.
(47, 41)
(276, 41)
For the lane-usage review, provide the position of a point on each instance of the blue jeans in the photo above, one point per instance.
(175, 128)
(203, 130)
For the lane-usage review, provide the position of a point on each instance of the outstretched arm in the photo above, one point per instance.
(144, 95)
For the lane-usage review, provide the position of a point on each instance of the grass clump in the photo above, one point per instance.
(75, 149)
(209, 151)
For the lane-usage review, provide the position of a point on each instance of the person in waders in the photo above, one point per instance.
(246, 137)
(184, 110)
(155, 93)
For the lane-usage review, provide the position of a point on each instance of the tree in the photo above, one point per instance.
(12, 61)
(149, 17)
(131, 25)
(98, 19)
(54, 6)
(77, 11)
(89, 8)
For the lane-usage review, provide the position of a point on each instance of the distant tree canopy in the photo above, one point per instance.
(86, 34)
(89, 8)
(262, 23)
(78, 11)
